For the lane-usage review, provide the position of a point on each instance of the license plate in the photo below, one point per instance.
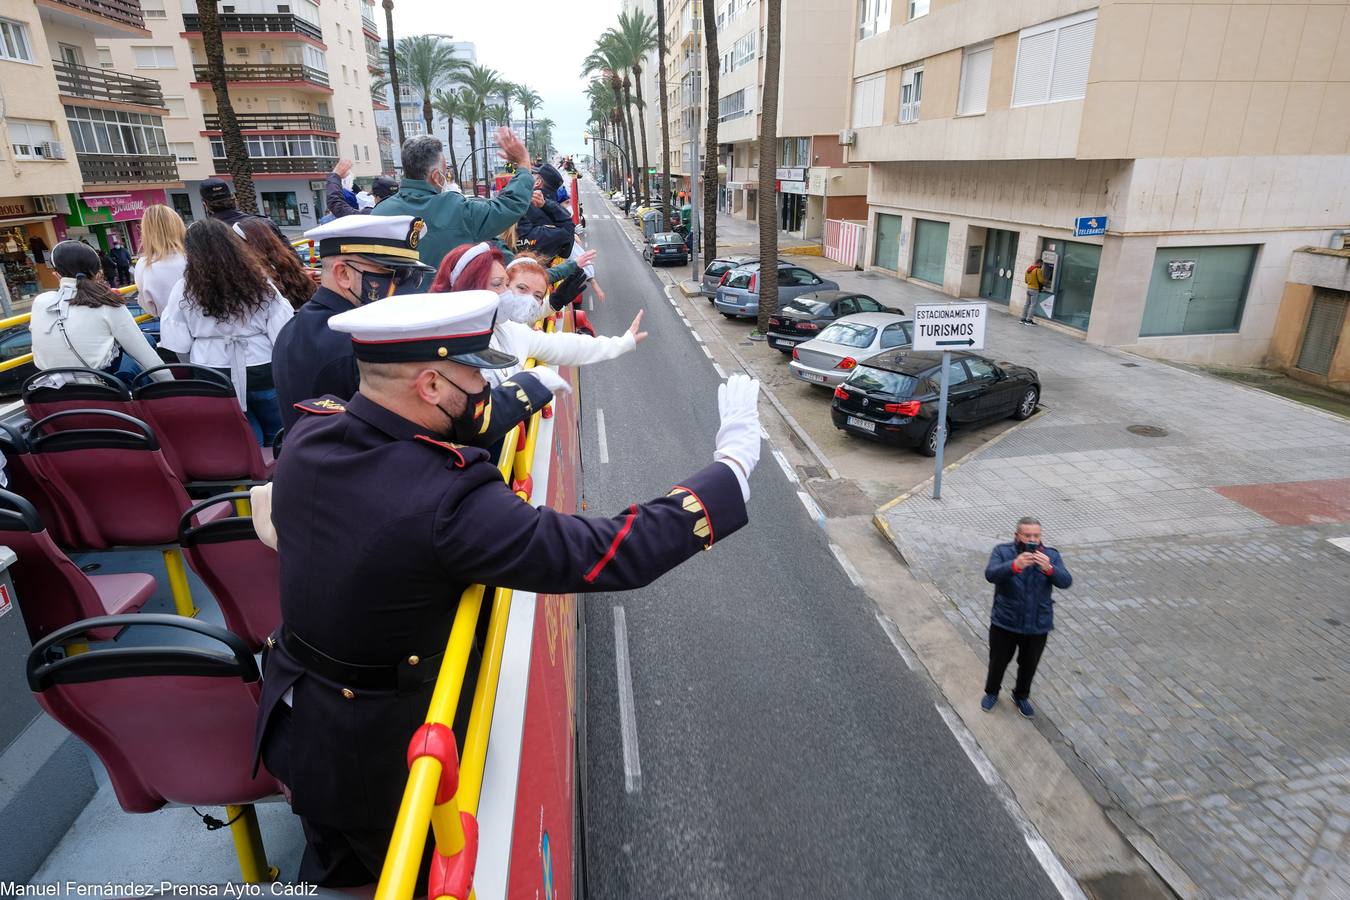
(811, 376)
(862, 423)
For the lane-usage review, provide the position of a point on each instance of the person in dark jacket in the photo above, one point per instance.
(218, 198)
(342, 202)
(546, 226)
(1024, 574)
(121, 258)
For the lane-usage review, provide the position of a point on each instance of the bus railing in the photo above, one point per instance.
(444, 788)
(26, 318)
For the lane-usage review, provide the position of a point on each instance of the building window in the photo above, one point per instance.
(1053, 60)
(105, 59)
(361, 117)
(351, 119)
(14, 42)
(742, 52)
(281, 207)
(26, 137)
(314, 58)
(874, 17)
(278, 146)
(356, 151)
(917, 8)
(366, 154)
(177, 107)
(115, 132)
(795, 152)
(183, 151)
(153, 9)
(911, 93)
(344, 75)
(182, 204)
(153, 57)
(868, 96)
(732, 106)
(976, 65)
(1198, 290)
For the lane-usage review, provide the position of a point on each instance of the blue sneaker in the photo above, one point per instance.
(987, 703)
(1024, 707)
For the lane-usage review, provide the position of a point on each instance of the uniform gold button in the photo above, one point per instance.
(348, 694)
(442, 352)
(414, 660)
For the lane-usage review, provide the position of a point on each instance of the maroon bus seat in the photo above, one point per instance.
(198, 416)
(52, 591)
(242, 573)
(75, 388)
(68, 527)
(171, 724)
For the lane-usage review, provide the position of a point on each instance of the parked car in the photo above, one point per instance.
(893, 397)
(830, 358)
(712, 276)
(666, 247)
(738, 294)
(15, 341)
(803, 318)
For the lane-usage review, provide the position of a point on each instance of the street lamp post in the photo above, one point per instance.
(695, 231)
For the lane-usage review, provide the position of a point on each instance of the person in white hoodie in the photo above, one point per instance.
(523, 287)
(84, 323)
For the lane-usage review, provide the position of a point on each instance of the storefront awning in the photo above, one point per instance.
(26, 220)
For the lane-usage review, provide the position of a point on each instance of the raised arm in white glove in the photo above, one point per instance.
(550, 379)
(738, 438)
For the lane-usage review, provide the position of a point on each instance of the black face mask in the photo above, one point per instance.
(378, 285)
(465, 428)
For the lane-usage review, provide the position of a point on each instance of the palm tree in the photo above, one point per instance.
(768, 165)
(661, 89)
(607, 60)
(450, 107)
(472, 108)
(508, 98)
(713, 68)
(499, 114)
(636, 35)
(236, 151)
(482, 84)
(602, 115)
(393, 65)
(428, 61)
(542, 138)
(529, 102)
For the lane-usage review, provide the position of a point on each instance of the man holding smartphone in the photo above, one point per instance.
(1024, 574)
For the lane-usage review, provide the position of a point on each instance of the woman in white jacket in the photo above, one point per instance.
(161, 265)
(523, 287)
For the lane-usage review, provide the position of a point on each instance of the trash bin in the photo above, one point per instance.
(17, 707)
(686, 215)
(651, 223)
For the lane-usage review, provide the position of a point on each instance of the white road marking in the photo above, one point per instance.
(897, 641)
(811, 508)
(844, 564)
(706, 351)
(967, 742)
(1341, 542)
(632, 765)
(720, 374)
(600, 432)
(786, 467)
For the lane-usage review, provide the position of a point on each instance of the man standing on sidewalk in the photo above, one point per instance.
(1024, 573)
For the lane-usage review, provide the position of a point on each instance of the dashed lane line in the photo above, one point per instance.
(600, 434)
(632, 763)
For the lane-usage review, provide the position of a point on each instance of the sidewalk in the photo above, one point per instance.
(735, 235)
(1199, 663)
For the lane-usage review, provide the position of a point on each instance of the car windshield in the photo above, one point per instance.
(739, 279)
(849, 334)
(718, 267)
(879, 381)
(669, 237)
(813, 307)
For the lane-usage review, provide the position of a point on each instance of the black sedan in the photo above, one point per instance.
(893, 397)
(666, 247)
(803, 318)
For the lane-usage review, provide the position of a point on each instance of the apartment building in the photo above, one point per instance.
(1167, 158)
(300, 79)
(84, 148)
(409, 108)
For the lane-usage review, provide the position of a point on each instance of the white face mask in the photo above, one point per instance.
(349, 182)
(522, 308)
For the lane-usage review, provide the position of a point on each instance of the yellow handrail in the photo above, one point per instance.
(418, 809)
(25, 318)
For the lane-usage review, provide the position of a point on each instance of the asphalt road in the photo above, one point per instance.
(784, 748)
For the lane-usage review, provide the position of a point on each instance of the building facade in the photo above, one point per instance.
(1166, 158)
(409, 108)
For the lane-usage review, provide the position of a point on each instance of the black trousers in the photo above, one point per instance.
(1002, 645)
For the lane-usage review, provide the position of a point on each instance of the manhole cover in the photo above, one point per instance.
(1147, 430)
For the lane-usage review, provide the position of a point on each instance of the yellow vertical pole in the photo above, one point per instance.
(242, 507)
(248, 845)
(178, 582)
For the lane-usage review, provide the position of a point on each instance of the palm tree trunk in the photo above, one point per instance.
(768, 165)
(661, 89)
(473, 159)
(632, 137)
(642, 126)
(713, 70)
(236, 151)
(427, 113)
(450, 145)
(393, 69)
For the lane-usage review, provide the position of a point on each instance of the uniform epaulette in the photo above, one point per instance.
(322, 406)
(453, 449)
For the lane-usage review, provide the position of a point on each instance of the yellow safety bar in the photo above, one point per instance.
(419, 809)
(311, 250)
(25, 318)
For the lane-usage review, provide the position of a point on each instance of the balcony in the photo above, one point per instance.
(256, 23)
(283, 165)
(277, 122)
(368, 23)
(106, 86)
(102, 18)
(101, 168)
(265, 72)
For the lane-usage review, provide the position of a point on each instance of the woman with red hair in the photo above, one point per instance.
(523, 287)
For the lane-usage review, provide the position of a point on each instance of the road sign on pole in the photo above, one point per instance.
(947, 327)
(950, 326)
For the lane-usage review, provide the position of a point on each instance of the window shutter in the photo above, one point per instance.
(867, 100)
(1035, 56)
(1073, 55)
(976, 68)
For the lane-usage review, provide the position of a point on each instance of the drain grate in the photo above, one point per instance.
(1147, 430)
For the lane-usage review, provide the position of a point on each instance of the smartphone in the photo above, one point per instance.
(1033, 546)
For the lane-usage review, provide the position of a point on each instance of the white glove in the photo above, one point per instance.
(550, 379)
(738, 438)
(260, 502)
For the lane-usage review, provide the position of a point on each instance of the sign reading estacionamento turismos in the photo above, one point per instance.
(950, 326)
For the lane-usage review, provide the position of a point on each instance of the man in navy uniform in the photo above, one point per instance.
(381, 522)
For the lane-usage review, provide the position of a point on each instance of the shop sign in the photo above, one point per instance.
(102, 209)
(1180, 269)
(1086, 226)
(13, 207)
(317, 185)
(792, 187)
(790, 173)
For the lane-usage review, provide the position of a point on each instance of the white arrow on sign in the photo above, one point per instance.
(950, 326)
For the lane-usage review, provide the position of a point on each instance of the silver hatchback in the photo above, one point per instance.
(712, 275)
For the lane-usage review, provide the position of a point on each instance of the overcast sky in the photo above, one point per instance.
(547, 56)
